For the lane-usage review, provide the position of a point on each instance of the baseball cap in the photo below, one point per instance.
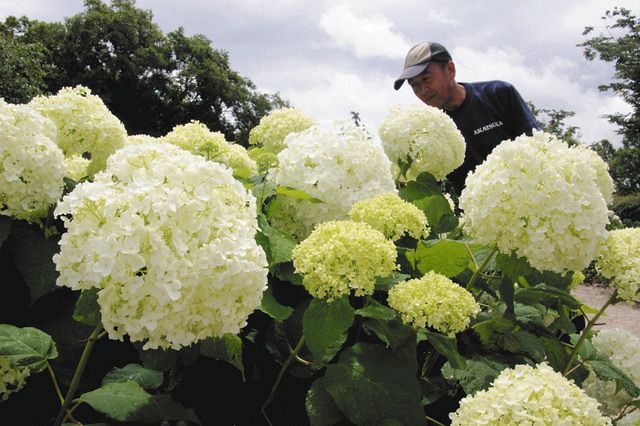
(419, 58)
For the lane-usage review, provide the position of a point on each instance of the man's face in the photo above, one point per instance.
(434, 86)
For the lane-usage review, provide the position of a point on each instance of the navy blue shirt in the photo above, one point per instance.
(492, 111)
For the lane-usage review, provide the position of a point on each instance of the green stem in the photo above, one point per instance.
(586, 331)
(483, 265)
(274, 389)
(57, 388)
(78, 374)
(432, 420)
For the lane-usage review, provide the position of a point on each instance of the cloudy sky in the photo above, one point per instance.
(330, 57)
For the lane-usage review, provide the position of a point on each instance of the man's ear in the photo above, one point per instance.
(451, 70)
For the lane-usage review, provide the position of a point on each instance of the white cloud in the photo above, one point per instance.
(366, 36)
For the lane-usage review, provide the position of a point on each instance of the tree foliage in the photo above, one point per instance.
(151, 81)
(552, 121)
(619, 43)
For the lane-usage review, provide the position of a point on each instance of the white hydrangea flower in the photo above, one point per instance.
(196, 138)
(631, 419)
(31, 164)
(76, 167)
(623, 349)
(12, 378)
(274, 128)
(339, 167)
(169, 239)
(534, 195)
(141, 139)
(620, 261)
(527, 395)
(424, 135)
(84, 124)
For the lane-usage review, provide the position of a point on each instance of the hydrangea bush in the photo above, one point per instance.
(31, 164)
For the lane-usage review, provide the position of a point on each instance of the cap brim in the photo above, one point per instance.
(410, 73)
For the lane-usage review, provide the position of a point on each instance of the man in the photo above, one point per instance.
(486, 112)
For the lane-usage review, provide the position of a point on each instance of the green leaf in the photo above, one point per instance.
(424, 186)
(376, 310)
(446, 257)
(26, 347)
(147, 379)
(279, 245)
(119, 401)
(506, 294)
(530, 344)
(162, 409)
(32, 255)
(477, 374)
(87, 310)
(490, 331)
(556, 352)
(321, 408)
(387, 283)
(325, 326)
(435, 207)
(157, 359)
(605, 370)
(5, 228)
(434, 388)
(286, 272)
(393, 333)
(447, 347)
(271, 307)
(513, 266)
(547, 295)
(227, 348)
(370, 384)
(296, 193)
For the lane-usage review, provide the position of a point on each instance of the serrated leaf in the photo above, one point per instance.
(157, 359)
(87, 310)
(227, 348)
(393, 333)
(530, 344)
(447, 347)
(321, 408)
(513, 266)
(26, 347)
(424, 186)
(477, 375)
(387, 283)
(325, 326)
(296, 193)
(119, 401)
(147, 379)
(5, 228)
(547, 295)
(32, 254)
(376, 310)
(278, 245)
(435, 207)
(370, 385)
(605, 370)
(557, 354)
(446, 257)
(271, 307)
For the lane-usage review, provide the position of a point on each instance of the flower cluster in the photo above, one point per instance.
(12, 378)
(527, 395)
(84, 123)
(339, 167)
(391, 215)
(539, 198)
(76, 166)
(31, 164)
(340, 256)
(423, 136)
(435, 301)
(169, 239)
(623, 349)
(196, 138)
(274, 128)
(140, 139)
(265, 160)
(620, 261)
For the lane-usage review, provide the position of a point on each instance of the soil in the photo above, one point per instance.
(624, 314)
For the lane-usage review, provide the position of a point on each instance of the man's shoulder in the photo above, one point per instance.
(490, 86)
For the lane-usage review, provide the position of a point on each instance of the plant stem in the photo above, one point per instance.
(585, 332)
(57, 388)
(274, 389)
(434, 421)
(483, 265)
(78, 374)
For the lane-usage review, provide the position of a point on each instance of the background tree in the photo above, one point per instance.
(552, 121)
(149, 80)
(619, 43)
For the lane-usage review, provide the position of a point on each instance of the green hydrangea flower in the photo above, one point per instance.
(391, 215)
(12, 378)
(340, 256)
(264, 159)
(435, 301)
(275, 127)
(620, 261)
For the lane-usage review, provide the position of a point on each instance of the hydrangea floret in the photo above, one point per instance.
(273, 128)
(423, 136)
(31, 164)
(341, 256)
(536, 197)
(623, 349)
(434, 301)
(12, 378)
(338, 166)
(76, 166)
(168, 238)
(620, 261)
(84, 123)
(527, 395)
(264, 159)
(391, 215)
(196, 138)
